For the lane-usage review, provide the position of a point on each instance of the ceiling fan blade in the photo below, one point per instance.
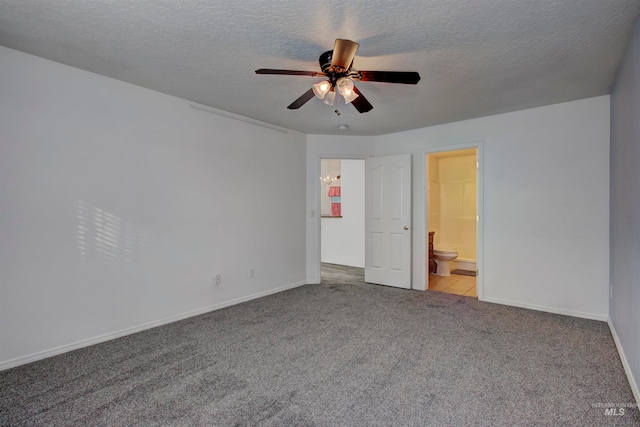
(289, 72)
(302, 100)
(361, 103)
(343, 53)
(406, 77)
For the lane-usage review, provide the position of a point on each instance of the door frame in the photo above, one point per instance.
(422, 206)
(317, 208)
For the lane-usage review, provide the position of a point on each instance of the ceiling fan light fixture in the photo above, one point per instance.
(321, 89)
(346, 89)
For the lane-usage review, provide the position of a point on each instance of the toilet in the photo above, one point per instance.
(442, 257)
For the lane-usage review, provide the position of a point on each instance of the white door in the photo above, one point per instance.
(388, 220)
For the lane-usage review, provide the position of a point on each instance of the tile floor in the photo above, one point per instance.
(454, 284)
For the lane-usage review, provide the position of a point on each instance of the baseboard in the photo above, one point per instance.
(625, 363)
(463, 264)
(553, 310)
(132, 330)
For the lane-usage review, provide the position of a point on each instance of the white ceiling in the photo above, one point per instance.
(475, 57)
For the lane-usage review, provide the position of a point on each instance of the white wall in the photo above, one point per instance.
(343, 238)
(625, 210)
(546, 232)
(328, 147)
(118, 205)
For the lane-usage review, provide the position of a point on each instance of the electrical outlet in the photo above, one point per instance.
(252, 272)
(218, 279)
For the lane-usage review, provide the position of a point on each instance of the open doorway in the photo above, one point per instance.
(342, 213)
(452, 219)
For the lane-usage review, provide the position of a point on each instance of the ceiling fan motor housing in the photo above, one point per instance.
(325, 60)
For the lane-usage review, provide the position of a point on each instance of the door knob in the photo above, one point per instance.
(406, 227)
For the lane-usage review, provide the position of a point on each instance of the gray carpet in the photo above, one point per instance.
(342, 353)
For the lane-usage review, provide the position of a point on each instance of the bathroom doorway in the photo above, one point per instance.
(452, 179)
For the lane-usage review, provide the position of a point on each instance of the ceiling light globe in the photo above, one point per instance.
(344, 84)
(320, 89)
(346, 89)
(330, 98)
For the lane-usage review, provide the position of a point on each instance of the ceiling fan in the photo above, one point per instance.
(336, 66)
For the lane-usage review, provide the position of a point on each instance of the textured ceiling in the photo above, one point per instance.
(475, 57)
